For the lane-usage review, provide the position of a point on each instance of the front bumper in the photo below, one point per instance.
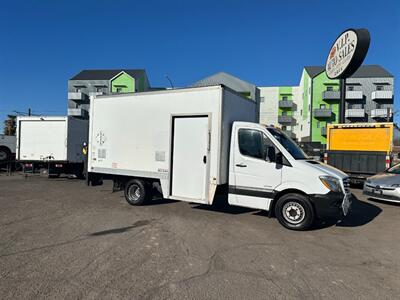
(382, 193)
(330, 205)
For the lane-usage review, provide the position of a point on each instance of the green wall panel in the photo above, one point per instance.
(124, 82)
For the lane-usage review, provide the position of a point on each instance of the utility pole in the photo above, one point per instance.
(342, 107)
(29, 112)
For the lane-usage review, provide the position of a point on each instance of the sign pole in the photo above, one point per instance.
(342, 106)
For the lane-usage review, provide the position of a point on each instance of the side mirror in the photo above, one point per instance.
(279, 158)
(271, 156)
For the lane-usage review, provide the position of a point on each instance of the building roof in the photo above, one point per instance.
(365, 71)
(314, 70)
(368, 71)
(105, 74)
(226, 79)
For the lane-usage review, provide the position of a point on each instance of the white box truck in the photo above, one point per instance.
(7, 148)
(52, 144)
(191, 144)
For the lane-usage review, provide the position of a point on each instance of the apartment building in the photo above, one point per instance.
(89, 83)
(305, 110)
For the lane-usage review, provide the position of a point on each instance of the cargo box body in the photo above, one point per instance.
(180, 137)
(58, 139)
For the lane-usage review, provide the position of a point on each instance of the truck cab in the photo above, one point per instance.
(268, 171)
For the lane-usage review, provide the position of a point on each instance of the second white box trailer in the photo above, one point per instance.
(51, 143)
(190, 143)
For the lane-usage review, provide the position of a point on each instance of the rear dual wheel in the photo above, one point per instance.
(137, 192)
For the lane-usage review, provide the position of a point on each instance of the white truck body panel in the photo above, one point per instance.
(8, 141)
(133, 135)
(51, 138)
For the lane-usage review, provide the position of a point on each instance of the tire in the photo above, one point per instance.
(136, 192)
(5, 154)
(294, 211)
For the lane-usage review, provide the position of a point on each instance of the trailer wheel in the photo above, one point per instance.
(136, 192)
(294, 211)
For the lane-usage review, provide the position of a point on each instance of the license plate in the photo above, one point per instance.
(346, 205)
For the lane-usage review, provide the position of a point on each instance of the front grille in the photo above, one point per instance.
(379, 187)
(346, 184)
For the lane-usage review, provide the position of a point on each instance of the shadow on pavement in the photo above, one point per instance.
(121, 229)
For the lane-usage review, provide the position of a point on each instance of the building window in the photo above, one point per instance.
(284, 113)
(322, 106)
(329, 88)
(318, 125)
(301, 127)
(78, 89)
(379, 87)
(262, 99)
(284, 127)
(284, 98)
(119, 89)
(301, 112)
(99, 89)
(350, 88)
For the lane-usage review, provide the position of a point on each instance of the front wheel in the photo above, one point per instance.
(136, 192)
(294, 211)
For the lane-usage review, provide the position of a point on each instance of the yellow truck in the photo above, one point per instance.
(362, 149)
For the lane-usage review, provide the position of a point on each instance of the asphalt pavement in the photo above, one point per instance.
(62, 239)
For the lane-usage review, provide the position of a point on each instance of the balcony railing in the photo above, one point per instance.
(77, 96)
(381, 113)
(382, 95)
(285, 119)
(77, 112)
(322, 113)
(323, 131)
(354, 95)
(355, 113)
(286, 104)
(331, 95)
(94, 94)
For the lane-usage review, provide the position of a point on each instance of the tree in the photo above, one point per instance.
(10, 125)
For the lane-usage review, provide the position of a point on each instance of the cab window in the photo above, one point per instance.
(253, 143)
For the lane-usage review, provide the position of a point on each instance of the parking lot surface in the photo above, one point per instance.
(62, 239)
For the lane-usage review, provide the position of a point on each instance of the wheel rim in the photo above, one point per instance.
(134, 193)
(293, 212)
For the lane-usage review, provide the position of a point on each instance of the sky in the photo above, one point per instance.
(44, 43)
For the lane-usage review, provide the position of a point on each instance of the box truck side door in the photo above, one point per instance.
(255, 177)
(189, 158)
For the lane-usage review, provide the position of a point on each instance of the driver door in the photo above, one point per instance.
(255, 174)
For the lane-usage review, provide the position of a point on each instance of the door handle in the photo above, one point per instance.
(204, 159)
(241, 165)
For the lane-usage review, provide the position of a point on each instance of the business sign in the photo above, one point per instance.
(347, 53)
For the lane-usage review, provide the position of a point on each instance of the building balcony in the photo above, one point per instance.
(285, 119)
(355, 113)
(381, 113)
(77, 112)
(285, 104)
(323, 131)
(323, 113)
(331, 95)
(77, 96)
(354, 95)
(94, 94)
(382, 95)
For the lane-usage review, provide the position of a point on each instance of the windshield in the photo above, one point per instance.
(288, 143)
(394, 170)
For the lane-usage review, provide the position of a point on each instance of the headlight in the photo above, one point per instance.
(331, 183)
